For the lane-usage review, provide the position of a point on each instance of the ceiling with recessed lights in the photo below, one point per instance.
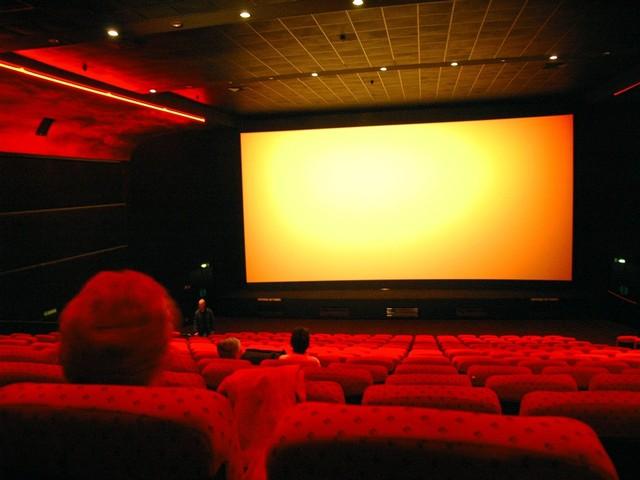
(301, 55)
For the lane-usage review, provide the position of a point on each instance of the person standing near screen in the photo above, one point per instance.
(203, 319)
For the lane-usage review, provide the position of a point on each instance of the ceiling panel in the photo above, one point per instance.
(265, 64)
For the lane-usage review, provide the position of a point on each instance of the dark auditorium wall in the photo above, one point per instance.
(185, 208)
(607, 193)
(61, 220)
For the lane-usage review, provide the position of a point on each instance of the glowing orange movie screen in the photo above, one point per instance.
(490, 199)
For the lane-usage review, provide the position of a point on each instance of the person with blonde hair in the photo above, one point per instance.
(229, 347)
(116, 330)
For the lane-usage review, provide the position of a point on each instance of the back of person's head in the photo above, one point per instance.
(116, 330)
(300, 339)
(229, 347)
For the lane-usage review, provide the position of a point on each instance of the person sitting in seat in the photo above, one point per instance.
(229, 347)
(116, 330)
(299, 343)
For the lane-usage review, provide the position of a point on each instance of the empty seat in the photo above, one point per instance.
(428, 379)
(410, 368)
(217, 370)
(15, 372)
(108, 432)
(324, 391)
(479, 373)
(353, 381)
(12, 353)
(511, 388)
(387, 361)
(537, 365)
(629, 341)
(426, 360)
(613, 366)
(615, 381)
(180, 379)
(614, 415)
(179, 362)
(323, 441)
(378, 373)
(470, 399)
(463, 363)
(582, 375)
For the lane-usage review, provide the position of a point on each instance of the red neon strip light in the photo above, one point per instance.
(626, 89)
(103, 93)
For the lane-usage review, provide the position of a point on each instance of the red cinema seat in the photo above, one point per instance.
(323, 441)
(108, 432)
(511, 388)
(378, 373)
(426, 360)
(470, 399)
(353, 381)
(47, 338)
(428, 379)
(629, 341)
(613, 366)
(582, 375)
(537, 366)
(614, 415)
(410, 368)
(615, 381)
(179, 362)
(15, 372)
(330, 392)
(463, 363)
(480, 373)
(180, 379)
(218, 369)
(26, 353)
(387, 362)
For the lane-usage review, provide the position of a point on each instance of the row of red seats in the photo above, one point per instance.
(427, 352)
(75, 431)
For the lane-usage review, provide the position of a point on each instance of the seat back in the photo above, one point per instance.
(15, 372)
(470, 399)
(321, 441)
(614, 415)
(107, 432)
(428, 379)
(353, 381)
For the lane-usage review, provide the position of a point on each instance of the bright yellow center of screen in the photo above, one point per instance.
(465, 200)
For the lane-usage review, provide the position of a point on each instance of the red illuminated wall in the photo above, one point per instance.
(86, 125)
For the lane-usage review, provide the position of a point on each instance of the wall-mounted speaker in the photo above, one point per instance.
(45, 125)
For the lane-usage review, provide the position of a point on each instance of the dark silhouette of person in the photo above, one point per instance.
(300, 339)
(203, 319)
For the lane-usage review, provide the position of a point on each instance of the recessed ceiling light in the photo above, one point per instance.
(112, 32)
(454, 64)
(270, 78)
(152, 90)
(177, 24)
(553, 57)
(245, 14)
(606, 53)
(234, 89)
(383, 69)
(358, 3)
(314, 74)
